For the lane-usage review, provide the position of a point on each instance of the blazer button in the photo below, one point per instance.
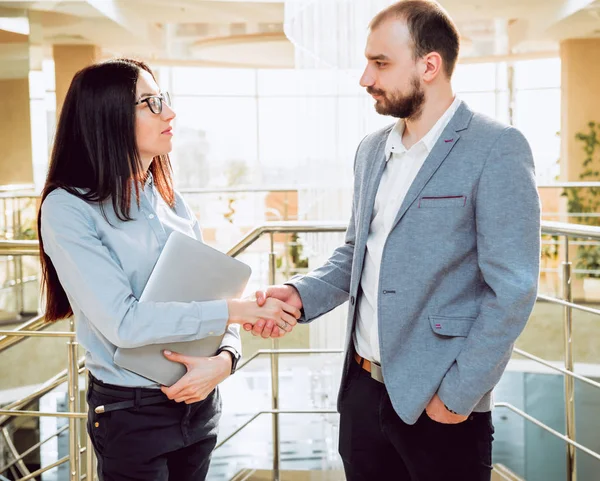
(352, 300)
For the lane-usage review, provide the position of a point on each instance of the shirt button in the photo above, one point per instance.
(211, 333)
(151, 216)
(352, 300)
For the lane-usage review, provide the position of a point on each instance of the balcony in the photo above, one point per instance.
(287, 408)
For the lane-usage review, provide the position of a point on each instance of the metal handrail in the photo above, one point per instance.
(31, 247)
(285, 227)
(279, 188)
(275, 411)
(11, 285)
(568, 185)
(13, 451)
(242, 189)
(555, 433)
(36, 324)
(20, 195)
(501, 471)
(543, 362)
(554, 228)
(261, 352)
(42, 414)
(19, 248)
(571, 230)
(16, 187)
(52, 466)
(48, 386)
(68, 334)
(324, 411)
(571, 305)
(32, 449)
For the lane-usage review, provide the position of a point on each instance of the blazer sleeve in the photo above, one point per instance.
(507, 217)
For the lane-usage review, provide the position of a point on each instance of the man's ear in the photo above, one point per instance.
(433, 66)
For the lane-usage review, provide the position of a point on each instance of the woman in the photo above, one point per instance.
(108, 207)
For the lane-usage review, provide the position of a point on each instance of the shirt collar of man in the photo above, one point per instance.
(394, 143)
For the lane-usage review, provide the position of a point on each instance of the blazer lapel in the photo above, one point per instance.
(448, 139)
(371, 179)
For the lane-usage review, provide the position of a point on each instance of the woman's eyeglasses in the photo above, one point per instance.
(155, 102)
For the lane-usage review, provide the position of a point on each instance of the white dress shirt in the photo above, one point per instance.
(400, 171)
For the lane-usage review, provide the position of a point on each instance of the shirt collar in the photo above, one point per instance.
(149, 179)
(394, 143)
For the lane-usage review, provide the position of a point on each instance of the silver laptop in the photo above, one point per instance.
(187, 270)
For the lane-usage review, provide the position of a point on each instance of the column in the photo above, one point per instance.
(580, 60)
(15, 162)
(68, 60)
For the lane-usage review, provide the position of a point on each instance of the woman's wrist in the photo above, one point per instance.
(226, 361)
(233, 306)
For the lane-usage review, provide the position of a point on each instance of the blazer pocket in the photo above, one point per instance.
(442, 201)
(451, 326)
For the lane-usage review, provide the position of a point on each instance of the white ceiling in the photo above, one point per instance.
(249, 33)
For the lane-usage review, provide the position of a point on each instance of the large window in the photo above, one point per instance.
(276, 126)
(537, 112)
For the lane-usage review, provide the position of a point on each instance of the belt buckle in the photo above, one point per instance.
(376, 372)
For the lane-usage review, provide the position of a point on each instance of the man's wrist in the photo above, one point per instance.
(450, 410)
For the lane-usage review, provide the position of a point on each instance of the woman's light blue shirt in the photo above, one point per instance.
(103, 266)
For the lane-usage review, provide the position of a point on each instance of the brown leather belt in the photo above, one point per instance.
(372, 368)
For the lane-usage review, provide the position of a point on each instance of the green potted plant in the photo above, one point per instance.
(297, 258)
(587, 201)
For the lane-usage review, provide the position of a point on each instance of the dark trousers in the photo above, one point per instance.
(161, 442)
(376, 445)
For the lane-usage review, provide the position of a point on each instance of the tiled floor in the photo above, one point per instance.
(265, 475)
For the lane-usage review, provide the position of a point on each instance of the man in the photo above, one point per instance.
(440, 263)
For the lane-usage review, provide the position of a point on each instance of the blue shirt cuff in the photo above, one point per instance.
(213, 318)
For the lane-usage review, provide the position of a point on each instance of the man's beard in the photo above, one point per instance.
(398, 105)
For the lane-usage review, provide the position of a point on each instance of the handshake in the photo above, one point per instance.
(274, 312)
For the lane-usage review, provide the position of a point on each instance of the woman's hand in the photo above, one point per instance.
(247, 311)
(203, 375)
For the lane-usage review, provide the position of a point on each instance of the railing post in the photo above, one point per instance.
(17, 259)
(274, 373)
(73, 392)
(569, 381)
(19, 286)
(18, 229)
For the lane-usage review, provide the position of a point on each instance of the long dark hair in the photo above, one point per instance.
(95, 155)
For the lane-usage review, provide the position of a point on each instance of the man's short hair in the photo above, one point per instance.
(430, 27)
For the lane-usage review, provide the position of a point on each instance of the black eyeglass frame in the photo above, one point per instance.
(155, 102)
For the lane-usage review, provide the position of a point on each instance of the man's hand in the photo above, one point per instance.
(438, 412)
(267, 328)
(203, 375)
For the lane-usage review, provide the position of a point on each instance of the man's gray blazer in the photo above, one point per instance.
(459, 270)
